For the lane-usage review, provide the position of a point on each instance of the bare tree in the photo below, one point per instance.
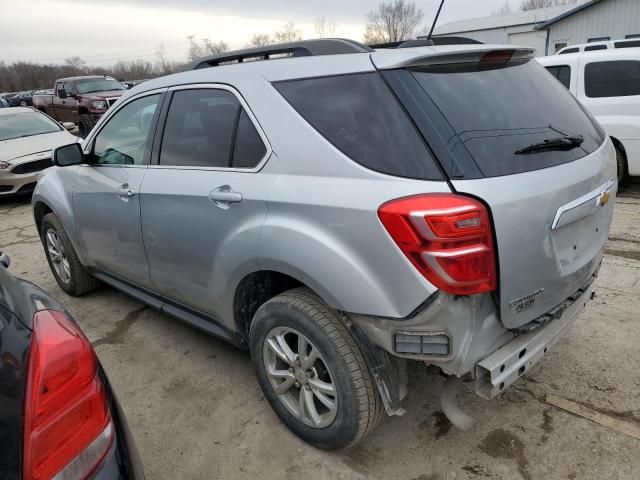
(195, 49)
(536, 4)
(392, 22)
(289, 33)
(215, 47)
(325, 28)
(75, 65)
(163, 62)
(505, 9)
(260, 40)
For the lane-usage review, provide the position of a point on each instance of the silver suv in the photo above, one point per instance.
(339, 211)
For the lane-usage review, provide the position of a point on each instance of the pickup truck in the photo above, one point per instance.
(81, 100)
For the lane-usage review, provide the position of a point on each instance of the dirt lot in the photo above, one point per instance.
(197, 412)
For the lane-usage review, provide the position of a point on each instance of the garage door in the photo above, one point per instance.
(535, 40)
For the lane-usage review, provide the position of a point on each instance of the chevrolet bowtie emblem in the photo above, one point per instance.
(604, 198)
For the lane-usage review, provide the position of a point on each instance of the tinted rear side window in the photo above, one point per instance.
(492, 114)
(632, 44)
(569, 50)
(595, 47)
(209, 128)
(562, 73)
(619, 78)
(359, 115)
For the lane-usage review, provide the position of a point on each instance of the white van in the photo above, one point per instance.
(601, 45)
(607, 82)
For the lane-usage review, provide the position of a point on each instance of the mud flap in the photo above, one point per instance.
(389, 374)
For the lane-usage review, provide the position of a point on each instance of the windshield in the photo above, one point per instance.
(26, 124)
(492, 115)
(98, 85)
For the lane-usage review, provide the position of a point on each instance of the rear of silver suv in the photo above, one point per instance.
(440, 204)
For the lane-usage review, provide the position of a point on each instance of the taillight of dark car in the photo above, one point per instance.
(447, 237)
(67, 428)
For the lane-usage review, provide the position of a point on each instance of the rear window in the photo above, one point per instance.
(359, 115)
(629, 44)
(617, 78)
(493, 114)
(562, 73)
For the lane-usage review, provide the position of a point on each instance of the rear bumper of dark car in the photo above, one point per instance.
(122, 460)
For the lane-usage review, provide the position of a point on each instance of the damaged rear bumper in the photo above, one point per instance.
(504, 366)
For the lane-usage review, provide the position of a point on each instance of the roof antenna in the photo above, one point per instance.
(435, 20)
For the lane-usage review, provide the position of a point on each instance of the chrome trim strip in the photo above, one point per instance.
(594, 197)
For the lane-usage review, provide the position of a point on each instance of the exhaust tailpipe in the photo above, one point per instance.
(452, 387)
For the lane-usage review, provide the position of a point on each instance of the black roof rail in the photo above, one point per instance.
(425, 42)
(303, 48)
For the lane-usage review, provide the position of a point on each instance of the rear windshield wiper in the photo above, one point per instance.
(559, 143)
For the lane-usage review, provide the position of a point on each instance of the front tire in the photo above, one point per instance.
(63, 260)
(312, 372)
(621, 161)
(85, 125)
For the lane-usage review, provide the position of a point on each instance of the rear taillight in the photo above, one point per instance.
(67, 427)
(447, 237)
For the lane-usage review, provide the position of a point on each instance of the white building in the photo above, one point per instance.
(550, 29)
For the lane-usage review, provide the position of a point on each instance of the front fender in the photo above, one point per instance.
(55, 191)
(626, 129)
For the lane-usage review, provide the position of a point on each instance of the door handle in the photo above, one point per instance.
(125, 192)
(223, 196)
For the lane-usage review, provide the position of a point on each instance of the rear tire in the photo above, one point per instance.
(358, 407)
(71, 276)
(85, 125)
(621, 162)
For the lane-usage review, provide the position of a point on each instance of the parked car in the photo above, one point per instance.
(601, 45)
(5, 97)
(344, 211)
(27, 139)
(60, 417)
(608, 84)
(22, 99)
(81, 100)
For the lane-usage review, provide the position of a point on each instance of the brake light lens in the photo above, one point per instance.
(67, 429)
(447, 237)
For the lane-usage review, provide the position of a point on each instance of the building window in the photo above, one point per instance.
(598, 39)
(560, 45)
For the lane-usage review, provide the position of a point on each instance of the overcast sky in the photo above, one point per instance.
(103, 32)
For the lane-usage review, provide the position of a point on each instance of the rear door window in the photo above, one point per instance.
(562, 73)
(209, 128)
(491, 115)
(359, 115)
(617, 78)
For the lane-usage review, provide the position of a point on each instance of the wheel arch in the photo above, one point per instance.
(254, 290)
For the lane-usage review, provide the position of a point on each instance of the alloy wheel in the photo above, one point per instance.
(300, 377)
(58, 256)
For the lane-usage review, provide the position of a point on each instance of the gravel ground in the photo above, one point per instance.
(197, 412)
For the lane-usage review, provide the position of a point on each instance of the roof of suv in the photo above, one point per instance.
(306, 66)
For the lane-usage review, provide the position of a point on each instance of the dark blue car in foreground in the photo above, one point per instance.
(59, 417)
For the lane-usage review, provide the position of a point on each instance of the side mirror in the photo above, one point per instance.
(5, 261)
(68, 155)
(62, 93)
(68, 126)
